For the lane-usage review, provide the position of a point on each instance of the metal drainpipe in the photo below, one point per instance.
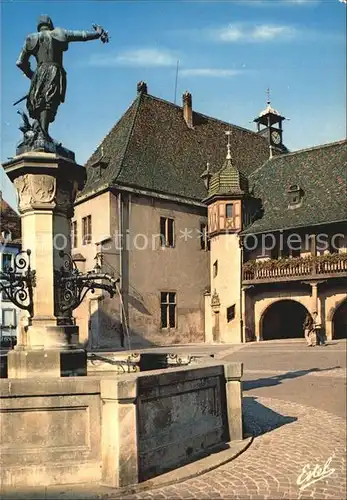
(120, 231)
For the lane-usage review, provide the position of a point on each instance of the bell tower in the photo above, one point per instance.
(269, 125)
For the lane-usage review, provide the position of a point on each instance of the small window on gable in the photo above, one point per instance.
(295, 195)
(230, 313)
(6, 235)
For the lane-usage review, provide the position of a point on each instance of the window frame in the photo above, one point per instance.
(295, 195)
(87, 230)
(165, 236)
(7, 254)
(231, 313)
(14, 316)
(232, 211)
(74, 234)
(204, 239)
(215, 268)
(168, 304)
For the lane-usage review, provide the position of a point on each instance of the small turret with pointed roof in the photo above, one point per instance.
(228, 180)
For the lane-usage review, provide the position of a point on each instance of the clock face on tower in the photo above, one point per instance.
(275, 137)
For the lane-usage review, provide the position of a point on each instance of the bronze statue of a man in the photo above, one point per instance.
(48, 80)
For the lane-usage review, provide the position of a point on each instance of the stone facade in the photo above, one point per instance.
(147, 269)
(254, 299)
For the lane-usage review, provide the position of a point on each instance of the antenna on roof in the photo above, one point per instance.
(176, 82)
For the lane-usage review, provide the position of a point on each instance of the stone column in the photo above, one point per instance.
(314, 297)
(243, 315)
(46, 185)
(119, 432)
(233, 373)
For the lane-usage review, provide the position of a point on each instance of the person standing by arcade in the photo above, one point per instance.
(308, 329)
(318, 330)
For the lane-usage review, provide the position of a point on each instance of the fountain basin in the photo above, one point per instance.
(117, 429)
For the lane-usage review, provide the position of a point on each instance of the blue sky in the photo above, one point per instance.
(229, 52)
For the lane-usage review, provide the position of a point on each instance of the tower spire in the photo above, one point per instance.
(228, 133)
(268, 102)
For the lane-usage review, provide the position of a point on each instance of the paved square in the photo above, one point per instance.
(295, 405)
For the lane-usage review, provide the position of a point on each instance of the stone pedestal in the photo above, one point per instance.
(46, 185)
(119, 448)
(233, 373)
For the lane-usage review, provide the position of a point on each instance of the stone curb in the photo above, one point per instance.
(95, 491)
(228, 352)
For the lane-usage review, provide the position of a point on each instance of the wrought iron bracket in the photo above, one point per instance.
(17, 282)
(72, 285)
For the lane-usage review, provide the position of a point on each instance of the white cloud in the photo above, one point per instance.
(301, 2)
(268, 32)
(278, 3)
(145, 57)
(212, 72)
(230, 34)
(256, 33)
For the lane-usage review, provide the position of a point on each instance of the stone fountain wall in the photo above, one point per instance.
(115, 430)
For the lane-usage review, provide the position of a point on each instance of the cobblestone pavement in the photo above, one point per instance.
(289, 435)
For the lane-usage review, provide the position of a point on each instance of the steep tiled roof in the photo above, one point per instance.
(319, 172)
(151, 147)
(9, 221)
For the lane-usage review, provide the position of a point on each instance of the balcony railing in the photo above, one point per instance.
(295, 268)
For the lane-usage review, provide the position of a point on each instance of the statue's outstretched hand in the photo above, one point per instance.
(103, 35)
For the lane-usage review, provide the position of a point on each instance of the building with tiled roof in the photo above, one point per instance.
(279, 249)
(144, 187)
(144, 211)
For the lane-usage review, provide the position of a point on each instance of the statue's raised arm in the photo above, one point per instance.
(48, 80)
(83, 36)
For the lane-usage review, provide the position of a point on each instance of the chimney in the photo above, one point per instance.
(187, 109)
(142, 88)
